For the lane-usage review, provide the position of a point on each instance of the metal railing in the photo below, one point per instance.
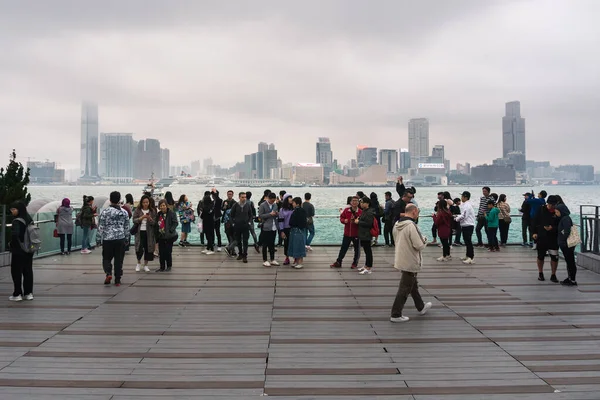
(590, 229)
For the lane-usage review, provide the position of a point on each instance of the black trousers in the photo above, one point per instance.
(569, 254)
(242, 234)
(144, 251)
(218, 232)
(346, 245)
(445, 246)
(62, 241)
(165, 251)
(366, 245)
(492, 234)
(208, 229)
(21, 270)
(286, 241)
(434, 232)
(409, 285)
(113, 250)
(503, 227)
(525, 227)
(458, 231)
(387, 232)
(268, 242)
(467, 234)
(481, 224)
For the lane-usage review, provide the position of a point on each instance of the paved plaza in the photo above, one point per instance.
(215, 328)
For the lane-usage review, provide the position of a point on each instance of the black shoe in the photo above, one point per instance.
(181, 244)
(160, 270)
(573, 283)
(257, 248)
(168, 269)
(554, 279)
(239, 257)
(566, 282)
(541, 277)
(245, 260)
(457, 244)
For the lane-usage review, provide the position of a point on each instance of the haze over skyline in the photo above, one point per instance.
(212, 79)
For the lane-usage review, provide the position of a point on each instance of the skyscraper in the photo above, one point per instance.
(513, 130)
(149, 159)
(366, 156)
(89, 140)
(262, 146)
(438, 152)
(418, 140)
(116, 157)
(404, 161)
(324, 157)
(389, 158)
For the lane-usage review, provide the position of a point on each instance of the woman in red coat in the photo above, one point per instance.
(443, 221)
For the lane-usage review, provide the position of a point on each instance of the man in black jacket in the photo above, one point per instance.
(241, 217)
(217, 213)
(546, 234)
(526, 221)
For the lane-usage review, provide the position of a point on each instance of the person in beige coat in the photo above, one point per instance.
(409, 245)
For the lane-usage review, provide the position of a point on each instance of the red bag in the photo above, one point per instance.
(55, 233)
(375, 228)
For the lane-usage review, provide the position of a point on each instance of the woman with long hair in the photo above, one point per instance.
(285, 213)
(87, 220)
(165, 231)
(443, 222)
(21, 265)
(170, 201)
(504, 219)
(186, 217)
(64, 225)
(206, 211)
(297, 240)
(377, 212)
(145, 218)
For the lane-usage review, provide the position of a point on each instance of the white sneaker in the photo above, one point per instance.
(365, 271)
(204, 251)
(209, 253)
(399, 319)
(146, 269)
(463, 258)
(29, 297)
(448, 258)
(361, 269)
(441, 259)
(266, 264)
(298, 266)
(86, 251)
(426, 308)
(469, 261)
(137, 268)
(274, 262)
(219, 249)
(16, 298)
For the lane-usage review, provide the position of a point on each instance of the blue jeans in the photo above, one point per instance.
(85, 242)
(310, 230)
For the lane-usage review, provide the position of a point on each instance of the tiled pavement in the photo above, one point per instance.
(215, 328)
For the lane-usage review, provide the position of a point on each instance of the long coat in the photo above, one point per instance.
(137, 214)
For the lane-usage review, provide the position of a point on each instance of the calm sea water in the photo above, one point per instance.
(328, 200)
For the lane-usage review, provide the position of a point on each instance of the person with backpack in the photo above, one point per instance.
(367, 229)
(21, 265)
(64, 225)
(85, 219)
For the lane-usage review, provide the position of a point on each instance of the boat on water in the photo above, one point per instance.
(151, 189)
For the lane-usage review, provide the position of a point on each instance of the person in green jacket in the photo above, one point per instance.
(492, 217)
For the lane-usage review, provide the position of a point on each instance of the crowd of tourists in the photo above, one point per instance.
(288, 222)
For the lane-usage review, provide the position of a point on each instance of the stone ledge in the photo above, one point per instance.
(589, 261)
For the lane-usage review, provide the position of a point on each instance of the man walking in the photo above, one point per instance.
(388, 220)
(113, 227)
(347, 218)
(310, 214)
(467, 226)
(241, 217)
(409, 245)
(481, 220)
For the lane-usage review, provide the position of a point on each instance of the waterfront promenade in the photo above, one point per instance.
(215, 328)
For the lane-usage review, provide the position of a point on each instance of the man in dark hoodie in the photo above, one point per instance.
(218, 203)
(546, 234)
(241, 217)
(525, 210)
(535, 205)
(565, 225)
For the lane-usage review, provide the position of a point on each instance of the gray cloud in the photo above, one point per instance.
(215, 78)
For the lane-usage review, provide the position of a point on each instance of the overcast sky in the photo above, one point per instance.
(213, 78)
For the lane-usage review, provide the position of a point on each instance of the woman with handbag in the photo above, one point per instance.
(505, 219)
(144, 219)
(568, 239)
(64, 225)
(165, 230)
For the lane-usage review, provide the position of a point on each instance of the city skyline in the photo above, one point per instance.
(290, 73)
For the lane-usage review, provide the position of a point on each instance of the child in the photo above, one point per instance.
(443, 222)
(492, 217)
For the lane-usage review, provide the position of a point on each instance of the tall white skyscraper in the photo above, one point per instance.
(513, 130)
(117, 157)
(89, 140)
(418, 140)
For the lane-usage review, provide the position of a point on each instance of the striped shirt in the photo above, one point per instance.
(483, 208)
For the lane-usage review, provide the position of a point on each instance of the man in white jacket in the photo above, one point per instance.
(467, 226)
(409, 245)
